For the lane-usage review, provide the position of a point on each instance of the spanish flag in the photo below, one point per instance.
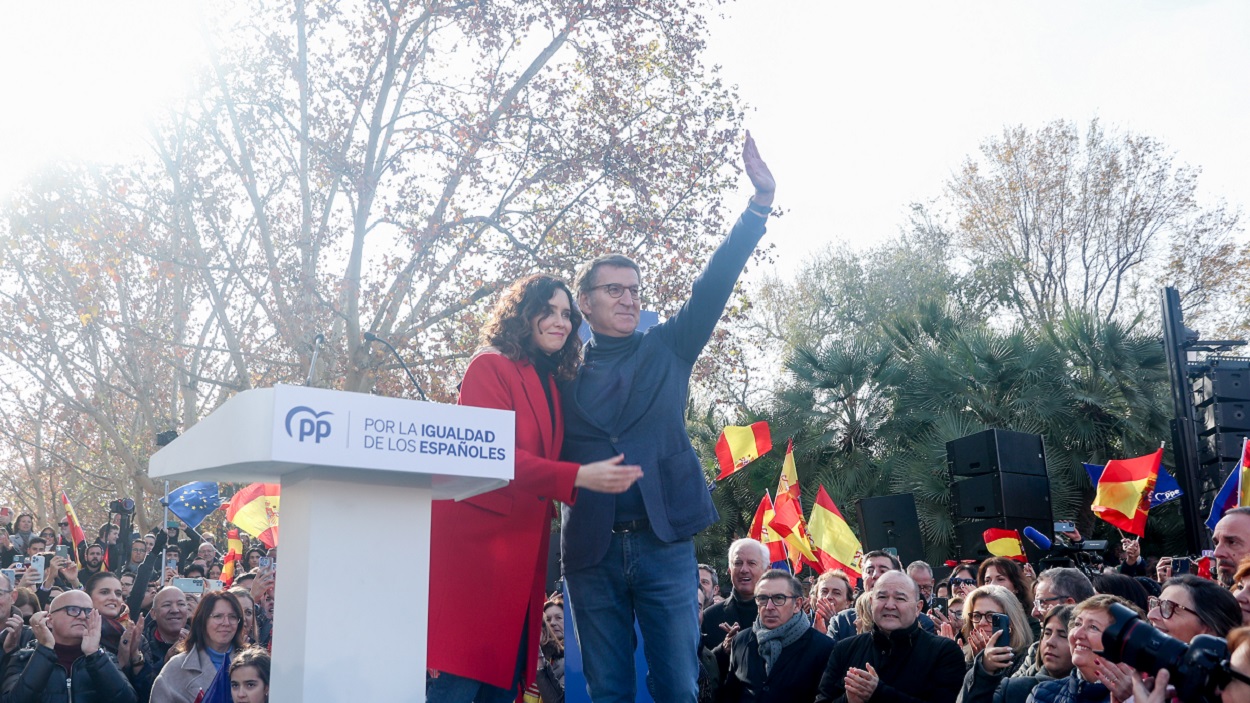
(75, 528)
(254, 509)
(1123, 497)
(1004, 543)
(788, 516)
(835, 546)
(739, 446)
(762, 532)
(234, 554)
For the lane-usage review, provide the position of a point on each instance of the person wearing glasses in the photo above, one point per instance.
(1191, 605)
(963, 580)
(66, 653)
(989, 656)
(632, 555)
(781, 656)
(1054, 588)
(216, 632)
(1093, 678)
(896, 660)
(530, 345)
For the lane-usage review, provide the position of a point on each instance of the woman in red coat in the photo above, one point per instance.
(488, 553)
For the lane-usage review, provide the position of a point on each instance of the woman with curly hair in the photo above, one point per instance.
(480, 654)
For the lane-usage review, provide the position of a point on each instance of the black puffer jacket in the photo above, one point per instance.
(33, 675)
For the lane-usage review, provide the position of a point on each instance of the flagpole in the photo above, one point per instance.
(166, 528)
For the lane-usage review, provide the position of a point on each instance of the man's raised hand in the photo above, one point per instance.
(758, 172)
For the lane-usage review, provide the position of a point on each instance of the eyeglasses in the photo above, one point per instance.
(4, 592)
(616, 290)
(1046, 603)
(1166, 607)
(777, 599)
(976, 617)
(963, 582)
(63, 524)
(224, 617)
(74, 611)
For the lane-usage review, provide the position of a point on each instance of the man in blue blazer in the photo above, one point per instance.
(632, 555)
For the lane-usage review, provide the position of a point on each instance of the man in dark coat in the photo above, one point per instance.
(748, 559)
(66, 649)
(896, 661)
(780, 658)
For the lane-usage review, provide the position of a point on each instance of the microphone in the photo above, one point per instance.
(1038, 539)
(312, 366)
(371, 337)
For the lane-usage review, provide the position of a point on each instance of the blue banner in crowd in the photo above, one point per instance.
(1166, 487)
(193, 502)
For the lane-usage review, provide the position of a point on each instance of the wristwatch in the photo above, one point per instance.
(757, 209)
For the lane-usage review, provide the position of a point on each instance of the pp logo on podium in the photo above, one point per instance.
(311, 425)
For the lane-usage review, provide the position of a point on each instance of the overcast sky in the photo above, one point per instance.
(860, 108)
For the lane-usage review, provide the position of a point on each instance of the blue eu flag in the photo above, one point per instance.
(193, 502)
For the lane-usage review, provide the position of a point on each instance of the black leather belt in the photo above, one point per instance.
(638, 525)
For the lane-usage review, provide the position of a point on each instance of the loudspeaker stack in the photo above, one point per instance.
(998, 479)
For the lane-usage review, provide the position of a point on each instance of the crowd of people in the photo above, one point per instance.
(139, 619)
(997, 631)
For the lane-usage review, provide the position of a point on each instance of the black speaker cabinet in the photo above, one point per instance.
(970, 539)
(1003, 495)
(1228, 415)
(891, 521)
(994, 451)
(1224, 383)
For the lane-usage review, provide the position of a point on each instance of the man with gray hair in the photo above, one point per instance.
(922, 574)
(896, 660)
(1054, 587)
(780, 658)
(748, 559)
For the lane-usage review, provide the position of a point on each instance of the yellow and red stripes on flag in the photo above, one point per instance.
(254, 509)
(234, 555)
(1243, 474)
(761, 532)
(788, 516)
(833, 542)
(739, 446)
(75, 528)
(1004, 543)
(1123, 497)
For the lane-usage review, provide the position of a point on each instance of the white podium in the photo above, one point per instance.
(358, 473)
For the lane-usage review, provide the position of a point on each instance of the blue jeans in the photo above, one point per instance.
(449, 688)
(657, 582)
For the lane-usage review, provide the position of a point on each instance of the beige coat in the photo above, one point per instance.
(183, 677)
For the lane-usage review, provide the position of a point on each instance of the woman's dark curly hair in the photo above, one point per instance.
(509, 328)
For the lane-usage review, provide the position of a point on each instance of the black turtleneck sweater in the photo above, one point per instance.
(912, 664)
(606, 376)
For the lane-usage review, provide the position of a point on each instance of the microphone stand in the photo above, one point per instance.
(371, 337)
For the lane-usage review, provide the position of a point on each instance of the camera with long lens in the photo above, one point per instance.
(122, 506)
(1197, 669)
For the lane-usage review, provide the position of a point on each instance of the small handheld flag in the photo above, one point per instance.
(1124, 491)
(1004, 543)
(835, 546)
(788, 516)
(761, 532)
(234, 554)
(739, 446)
(75, 528)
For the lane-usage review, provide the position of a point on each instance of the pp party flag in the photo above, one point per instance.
(254, 509)
(234, 554)
(763, 533)
(835, 546)
(788, 516)
(1124, 491)
(739, 446)
(1004, 543)
(1167, 488)
(1235, 489)
(193, 502)
(75, 527)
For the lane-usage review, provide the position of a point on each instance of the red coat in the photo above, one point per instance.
(488, 553)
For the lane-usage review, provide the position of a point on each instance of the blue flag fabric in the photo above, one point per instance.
(219, 690)
(193, 502)
(1225, 500)
(1167, 489)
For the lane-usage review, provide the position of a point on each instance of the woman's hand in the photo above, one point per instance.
(607, 476)
(994, 658)
(1118, 678)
